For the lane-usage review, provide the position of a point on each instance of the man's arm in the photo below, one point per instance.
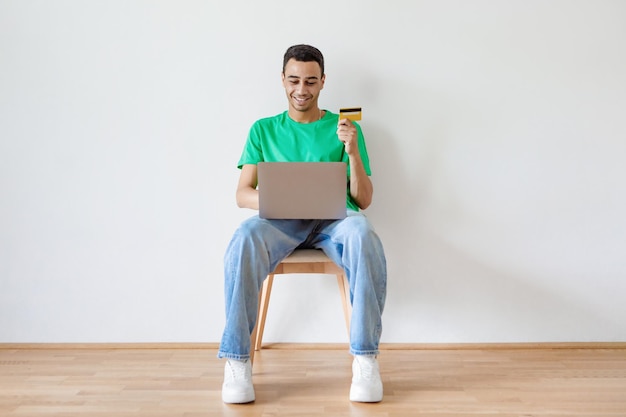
(247, 195)
(361, 188)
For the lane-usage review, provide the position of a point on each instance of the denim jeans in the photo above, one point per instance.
(259, 245)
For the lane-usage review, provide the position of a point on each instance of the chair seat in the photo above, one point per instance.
(306, 255)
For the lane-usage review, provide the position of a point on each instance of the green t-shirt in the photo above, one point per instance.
(281, 139)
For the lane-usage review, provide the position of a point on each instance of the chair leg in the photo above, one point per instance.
(264, 302)
(344, 290)
(252, 340)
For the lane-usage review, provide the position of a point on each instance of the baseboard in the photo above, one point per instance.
(456, 346)
(121, 345)
(326, 346)
(504, 346)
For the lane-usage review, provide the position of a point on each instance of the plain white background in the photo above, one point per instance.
(496, 131)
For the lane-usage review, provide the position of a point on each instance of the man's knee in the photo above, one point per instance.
(359, 227)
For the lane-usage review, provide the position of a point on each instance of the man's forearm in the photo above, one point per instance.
(248, 198)
(361, 188)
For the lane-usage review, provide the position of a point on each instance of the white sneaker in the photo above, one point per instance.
(237, 387)
(367, 386)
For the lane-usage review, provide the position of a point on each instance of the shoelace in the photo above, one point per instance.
(366, 368)
(238, 370)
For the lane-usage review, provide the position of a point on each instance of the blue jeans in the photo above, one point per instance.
(259, 245)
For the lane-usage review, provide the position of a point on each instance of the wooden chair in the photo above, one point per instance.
(312, 261)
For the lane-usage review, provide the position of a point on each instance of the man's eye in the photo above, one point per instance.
(311, 83)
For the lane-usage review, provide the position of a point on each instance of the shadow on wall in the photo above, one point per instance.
(451, 296)
(405, 154)
(445, 292)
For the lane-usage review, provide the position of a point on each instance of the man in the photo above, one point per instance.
(304, 133)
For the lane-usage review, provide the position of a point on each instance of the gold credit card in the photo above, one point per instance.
(352, 113)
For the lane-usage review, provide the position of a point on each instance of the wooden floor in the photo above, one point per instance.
(305, 382)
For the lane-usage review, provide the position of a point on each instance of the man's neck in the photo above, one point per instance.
(309, 116)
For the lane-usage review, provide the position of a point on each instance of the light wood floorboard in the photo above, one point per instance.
(314, 382)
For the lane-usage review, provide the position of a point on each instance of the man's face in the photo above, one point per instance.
(303, 82)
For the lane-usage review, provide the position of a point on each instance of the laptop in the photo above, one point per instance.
(302, 190)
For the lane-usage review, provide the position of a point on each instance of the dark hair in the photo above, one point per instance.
(304, 53)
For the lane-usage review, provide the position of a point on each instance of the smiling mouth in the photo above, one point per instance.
(301, 100)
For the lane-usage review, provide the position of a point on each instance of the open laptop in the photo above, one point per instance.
(302, 190)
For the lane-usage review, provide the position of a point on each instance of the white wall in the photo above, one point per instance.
(496, 131)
